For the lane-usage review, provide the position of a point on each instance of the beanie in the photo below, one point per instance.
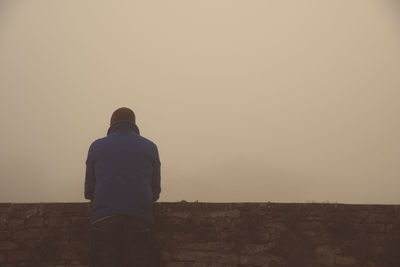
(123, 114)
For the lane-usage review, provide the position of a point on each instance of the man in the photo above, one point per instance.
(122, 181)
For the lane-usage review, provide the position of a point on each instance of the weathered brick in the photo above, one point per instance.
(79, 221)
(217, 234)
(5, 235)
(250, 249)
(15, 224)
(8, 245)
(17, 256)
(3, 222)
(325, 255)
(36, 222)
(375, 228)
(59, 222)
(263, 259)
(70, 254)
(345, 260)
(35, 234)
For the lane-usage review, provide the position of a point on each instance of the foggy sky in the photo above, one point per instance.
(281, 101)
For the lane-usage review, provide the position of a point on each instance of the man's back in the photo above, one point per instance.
(123, 173)
(122, 180)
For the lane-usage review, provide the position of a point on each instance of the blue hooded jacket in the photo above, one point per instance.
(122, 173)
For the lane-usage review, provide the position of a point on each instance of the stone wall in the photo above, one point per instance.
(215, 234)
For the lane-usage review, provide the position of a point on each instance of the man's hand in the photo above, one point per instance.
(90, 179)
(156, 179)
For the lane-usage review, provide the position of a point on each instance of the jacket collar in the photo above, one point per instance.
(123, 125)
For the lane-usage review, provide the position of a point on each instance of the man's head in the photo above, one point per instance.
(123, 114)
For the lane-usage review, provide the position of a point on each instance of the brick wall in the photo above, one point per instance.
(215, 234)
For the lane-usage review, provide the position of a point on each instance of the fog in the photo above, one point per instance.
(281, 101)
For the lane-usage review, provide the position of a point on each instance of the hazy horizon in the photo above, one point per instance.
(247, 101)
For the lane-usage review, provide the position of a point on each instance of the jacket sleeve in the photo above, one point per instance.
(156, 178)
(89, 177)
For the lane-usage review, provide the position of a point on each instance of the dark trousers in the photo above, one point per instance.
(121, 241)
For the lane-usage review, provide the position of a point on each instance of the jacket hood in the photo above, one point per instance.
(123, 125)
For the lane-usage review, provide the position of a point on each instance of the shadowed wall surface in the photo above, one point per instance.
(215, 234)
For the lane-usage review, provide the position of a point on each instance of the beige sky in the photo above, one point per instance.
(282, 101)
